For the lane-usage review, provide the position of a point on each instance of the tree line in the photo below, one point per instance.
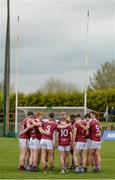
(101, 92)
(97, 100)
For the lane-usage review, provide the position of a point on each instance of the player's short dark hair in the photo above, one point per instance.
(30, 113)
(78, 116)
(72, 116)
(51, 115)
(87, 115)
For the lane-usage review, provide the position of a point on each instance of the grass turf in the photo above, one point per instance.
(108, 123)
(9, 153)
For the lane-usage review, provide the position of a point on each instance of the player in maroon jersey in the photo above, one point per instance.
(34, 144)
(51, 115)
(35, 130)
(80, 145)
(88, 119)
(24, 140)
(47, 141)
(72, 120)
(90, 159)
(95, 145)
(64, 144)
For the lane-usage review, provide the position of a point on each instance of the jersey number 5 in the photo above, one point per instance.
(48, 128)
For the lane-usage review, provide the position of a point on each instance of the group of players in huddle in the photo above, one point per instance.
(72, 135)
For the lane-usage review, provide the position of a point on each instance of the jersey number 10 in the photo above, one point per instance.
(64, 132)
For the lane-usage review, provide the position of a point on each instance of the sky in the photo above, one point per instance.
(52, 42)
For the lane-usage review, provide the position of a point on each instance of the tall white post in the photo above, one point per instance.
(16, 81)
(86, 65)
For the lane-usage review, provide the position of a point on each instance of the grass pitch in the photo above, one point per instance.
(9, 153)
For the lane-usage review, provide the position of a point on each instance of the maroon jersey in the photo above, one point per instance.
(81, 133)
(24, 126)
(94, 130)
(87, 136)
(34, 132)
(64, 137)
(49, 126)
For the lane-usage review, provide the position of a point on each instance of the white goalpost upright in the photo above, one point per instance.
(86, 65)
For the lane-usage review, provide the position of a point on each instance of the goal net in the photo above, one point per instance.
(22, 112)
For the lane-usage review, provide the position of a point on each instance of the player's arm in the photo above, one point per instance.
(43, 132)
(98, 134)
(37, 123)
(64, 126)
(74, 135)
(57, 138)
(71, 138)
(100, 126)
(82, 126)
(23, 131)
(87, 132)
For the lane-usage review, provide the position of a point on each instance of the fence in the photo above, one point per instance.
(12, 117)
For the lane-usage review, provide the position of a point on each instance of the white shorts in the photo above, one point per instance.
(24, 143)
(88, 143)
(81, 145)
(95, 144)
(34, 143)
(64, 148)
(46, 144)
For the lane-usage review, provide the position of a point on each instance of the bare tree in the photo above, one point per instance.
(56, 85)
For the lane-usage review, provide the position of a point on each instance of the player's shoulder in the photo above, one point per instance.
(49, 122)
(57, 121)
(91, 122)
(28, 120)
(24, 121)
(69, 128)
(54, 123)
(78, 122)
(45, 120)
(84, 122)
(74, 125)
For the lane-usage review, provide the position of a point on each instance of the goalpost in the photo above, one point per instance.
(22, 112)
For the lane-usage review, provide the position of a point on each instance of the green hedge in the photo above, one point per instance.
(97, 100)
